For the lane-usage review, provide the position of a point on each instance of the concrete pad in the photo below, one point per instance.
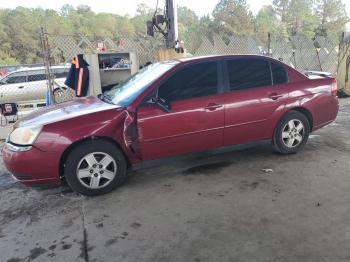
(218, 208)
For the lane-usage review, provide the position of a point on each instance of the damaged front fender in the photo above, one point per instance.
(130, 133)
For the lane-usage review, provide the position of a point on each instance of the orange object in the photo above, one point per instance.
(80, 81)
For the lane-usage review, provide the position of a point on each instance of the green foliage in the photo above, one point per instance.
(266, 21)
(192, 28)
(233, 17)
(20, 27)
(281, 9)
(6, 59)
(332, 18)
(297, 16)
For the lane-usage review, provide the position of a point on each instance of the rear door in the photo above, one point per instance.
(256, 89)
(36, 86)
(196, 120)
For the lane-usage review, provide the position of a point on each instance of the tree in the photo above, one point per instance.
(332, 17)
(281, 9)
(20, 27)
(143, 10)
(297, 16)
(66, 10)
(84, 10)
(23, 29)
(300, 17)
(186, 16)
(233, 17)
(196, 32)
(144, 13)
(6, 59)
(187, 19)
(267, 22)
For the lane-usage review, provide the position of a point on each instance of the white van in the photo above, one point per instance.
(29, 86)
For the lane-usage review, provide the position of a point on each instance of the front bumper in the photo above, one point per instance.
(33, 167)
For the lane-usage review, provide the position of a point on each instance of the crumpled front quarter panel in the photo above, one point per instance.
(57, 137)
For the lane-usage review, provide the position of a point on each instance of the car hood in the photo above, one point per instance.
(64, 111)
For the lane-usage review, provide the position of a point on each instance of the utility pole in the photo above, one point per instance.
(167, 25)
(173, 30)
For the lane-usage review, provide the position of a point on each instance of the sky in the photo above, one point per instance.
(123, 7)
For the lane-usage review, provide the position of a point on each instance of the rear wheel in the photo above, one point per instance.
(95, 167)
(291, 133)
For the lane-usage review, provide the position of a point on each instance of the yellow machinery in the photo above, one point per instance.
(343, 75)
(169, 54)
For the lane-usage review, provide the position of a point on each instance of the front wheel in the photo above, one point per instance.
(95, 167)
(291, 133)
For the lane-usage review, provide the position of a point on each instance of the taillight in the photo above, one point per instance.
(334, 89)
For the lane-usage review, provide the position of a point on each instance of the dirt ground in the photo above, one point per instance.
(219, 208)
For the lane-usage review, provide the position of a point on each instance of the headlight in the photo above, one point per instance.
(25, 135)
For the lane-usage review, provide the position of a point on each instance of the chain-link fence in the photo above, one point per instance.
(300, 52)
(64, 47)
(319, 54)
(297, 51)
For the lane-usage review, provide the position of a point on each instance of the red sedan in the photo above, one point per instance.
(167, 109)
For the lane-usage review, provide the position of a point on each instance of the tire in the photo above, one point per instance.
(59, 94)
(291, 133)
(95, 167)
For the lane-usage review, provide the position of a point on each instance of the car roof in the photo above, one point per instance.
(209, 57)
(28, 69)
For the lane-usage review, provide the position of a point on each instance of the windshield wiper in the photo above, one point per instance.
(106, 98)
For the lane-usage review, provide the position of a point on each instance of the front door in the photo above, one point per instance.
(195, 121)
(13, 89)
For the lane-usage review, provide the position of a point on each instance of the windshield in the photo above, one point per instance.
(127, 91)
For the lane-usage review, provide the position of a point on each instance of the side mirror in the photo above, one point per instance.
(162, 103)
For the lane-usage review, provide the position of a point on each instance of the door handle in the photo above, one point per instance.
(20, 87)
(275, 96)
(212, 107)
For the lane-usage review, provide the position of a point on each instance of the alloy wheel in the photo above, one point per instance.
(96, 170)
(293, 133)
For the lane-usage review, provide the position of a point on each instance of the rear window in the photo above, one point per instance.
(60, 72)
(39, 77)
(248, 73)
(279, 74)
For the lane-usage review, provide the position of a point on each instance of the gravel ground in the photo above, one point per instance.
(220, 208)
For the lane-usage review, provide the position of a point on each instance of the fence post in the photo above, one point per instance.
(294, 58)
(46, 58)
(269, 51)
(339, 49)
(318, 57)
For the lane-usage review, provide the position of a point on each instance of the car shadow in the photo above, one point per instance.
(201, 165)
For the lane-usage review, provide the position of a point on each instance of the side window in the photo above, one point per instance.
(40, 77)
(61, 74)
(15, 79)
(196, 80)
(279, 74)
(248, 73)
